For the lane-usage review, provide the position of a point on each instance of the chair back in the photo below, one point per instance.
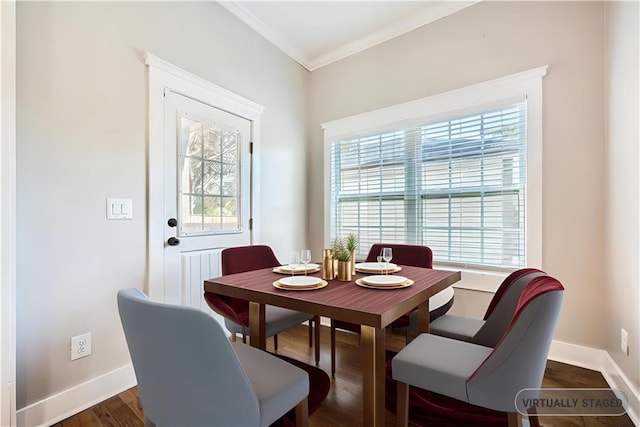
(519, 359)
(238, 260)
(413, 255)
(503, 306)
(187, 371)
(247, 258)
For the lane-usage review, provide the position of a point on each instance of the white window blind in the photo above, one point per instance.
(456, 185)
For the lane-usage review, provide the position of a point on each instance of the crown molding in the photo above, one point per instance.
(436, 11)
(265, 31)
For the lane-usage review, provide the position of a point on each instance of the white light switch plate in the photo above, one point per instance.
(119, 208)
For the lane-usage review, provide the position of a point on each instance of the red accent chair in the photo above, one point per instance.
(236, 311)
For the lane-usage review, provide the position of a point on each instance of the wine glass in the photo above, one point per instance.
(294, 261)
(305, 258)
(387, 255)
(380, 262)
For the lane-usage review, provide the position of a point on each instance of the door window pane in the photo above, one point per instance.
(209, 177)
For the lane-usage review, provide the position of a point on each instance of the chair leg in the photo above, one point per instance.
(533, 417)
(302, 413)
(333, 349)
(311, 332)
(316, 322)
(514, 419)
(275, 343)
(233, 337)
(402, 408)
(244, 338)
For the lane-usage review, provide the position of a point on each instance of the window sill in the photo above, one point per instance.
(476, 280)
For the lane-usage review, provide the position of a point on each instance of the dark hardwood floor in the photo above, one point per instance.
(342, 407)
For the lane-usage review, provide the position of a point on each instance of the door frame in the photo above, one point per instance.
(8, 213)
(162, 75)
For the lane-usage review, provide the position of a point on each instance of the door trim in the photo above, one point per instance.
(8, 213)
(162, 75)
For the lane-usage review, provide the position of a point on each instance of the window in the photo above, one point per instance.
(455, 185)
(209, 176)
(460, 172)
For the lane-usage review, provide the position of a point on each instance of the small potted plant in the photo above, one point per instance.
(343, 256)
(351, 243)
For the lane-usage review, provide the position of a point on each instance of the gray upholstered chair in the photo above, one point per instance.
(489, 330)
(479, 375)
(189, 374)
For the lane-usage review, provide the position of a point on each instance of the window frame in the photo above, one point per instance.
(470, 99)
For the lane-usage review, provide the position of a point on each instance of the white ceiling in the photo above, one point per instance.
(317, 33)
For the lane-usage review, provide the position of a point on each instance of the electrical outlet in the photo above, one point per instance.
(80, 346)
(624, 341)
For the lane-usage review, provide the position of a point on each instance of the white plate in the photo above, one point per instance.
(374, 266)
(300, 281)
(298, 268)
(320, 285)
(409, 282)
(384, 280)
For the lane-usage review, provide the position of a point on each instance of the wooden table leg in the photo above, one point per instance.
(256, 326)
(423, 322)
(402, 405)
(373, 375)
(316, 344)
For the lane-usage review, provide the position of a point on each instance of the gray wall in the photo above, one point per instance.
(622, 215)
(81, 132)
(483, 42)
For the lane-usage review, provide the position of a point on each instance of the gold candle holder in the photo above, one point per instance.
(328, 268)
(353, 262)
(344, 271)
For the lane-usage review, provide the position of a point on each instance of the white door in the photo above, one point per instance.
(207, 193)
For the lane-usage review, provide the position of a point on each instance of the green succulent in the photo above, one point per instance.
(351, 242)
(340, 250)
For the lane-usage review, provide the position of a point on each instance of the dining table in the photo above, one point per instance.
(372, 308)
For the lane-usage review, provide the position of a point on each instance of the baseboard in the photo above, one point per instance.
(325, 321)
(76, 399)
(617, 379)
(577, 355)
(599, 360)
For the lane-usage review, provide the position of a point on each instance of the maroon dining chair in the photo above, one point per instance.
(403, 254)
(235, 311)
